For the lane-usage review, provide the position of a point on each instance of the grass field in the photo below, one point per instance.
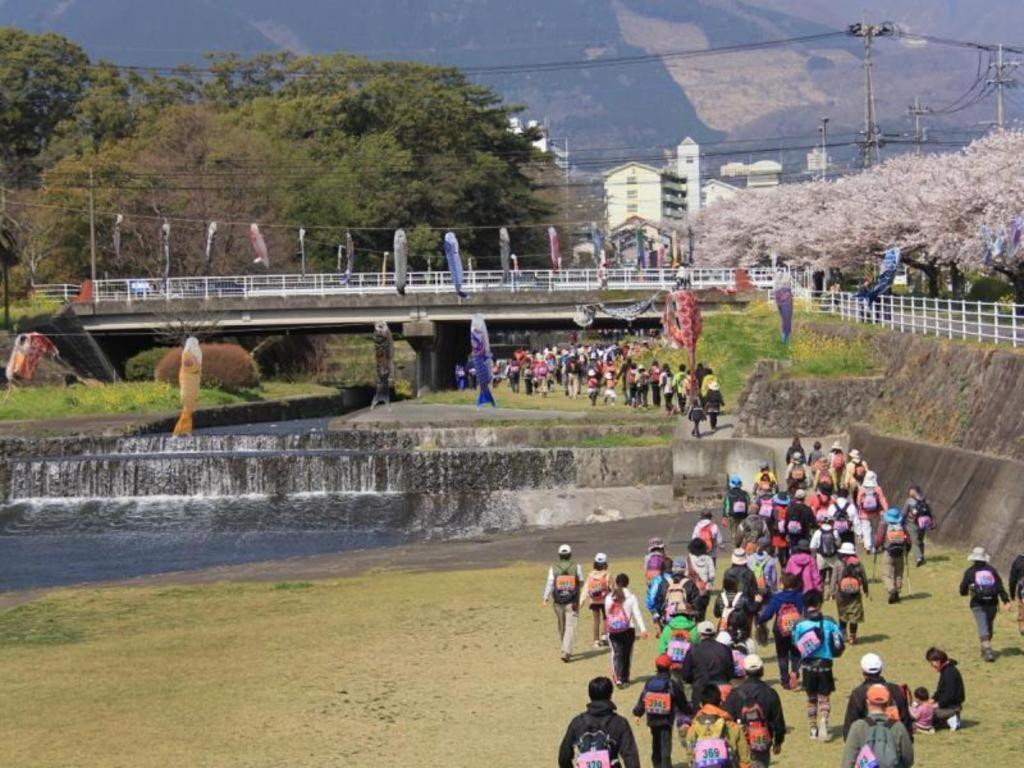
(427, 669)
(135, 397)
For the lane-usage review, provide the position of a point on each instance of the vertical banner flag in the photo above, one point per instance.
(682, 323)
(350, 256)
(641, 255)
(259, 246)
(451, 254)
(661, 255)
(302, 250)
(165, 244)
(890, 264)
(598, 239)
(211, 236)
(480, 349)
(504, 250)
(384, 354)
(401, 260)
(556, 255)
(117, 235)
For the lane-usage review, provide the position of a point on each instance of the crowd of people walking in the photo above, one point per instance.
(781, 566)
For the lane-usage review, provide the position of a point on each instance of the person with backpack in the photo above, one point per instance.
(701, 570)
(563, 587)
(800, 520)
(593, 384)
(849, 582)
(666, 387)
(819, 502)
(816, 456)
(714, 404)
(842, 512)
(756, 706)
(734, 609)
(765, 480)
(787, 608)
(752, 529)
(825, 546)
(714, 739)
(777, 525)
(870, 503)
(875, 741)
(662, 701)
(797, 475)
(706, 662)
(1016, 588)
(918, 514)
(599, 736)
(803, 564)
(707, 531)
(622, 620)
(595, 590)
(871, 666)
(855, 472)
(765, 569)
(982, 582)
(950, 695)
(656, 562)
(836, 462)
(819, 640)
(735, 508)
(739, 571)
(893, 541)
(794, 447)
(696, 414)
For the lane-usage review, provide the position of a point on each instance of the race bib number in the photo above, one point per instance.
(657, 703)
(866, 758)
(925, 522)
(870, 502)
(808, 643)
(739, 507)
(984, 579)
(677, 650)
(712, 753)
(598, 758)
(565, 583)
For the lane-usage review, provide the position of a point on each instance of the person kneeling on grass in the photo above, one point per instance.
(599, 736)
(664, 704)
(949, 695)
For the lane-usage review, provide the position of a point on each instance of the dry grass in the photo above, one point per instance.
(431, 669)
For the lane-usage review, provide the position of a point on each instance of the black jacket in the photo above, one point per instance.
(662, 683)
(857, 706)
(1016, 587)
(758, 692)
(968, 581)
(798, 510)
(950, 693)
(745, 580)
(600, 716)
(707, 662)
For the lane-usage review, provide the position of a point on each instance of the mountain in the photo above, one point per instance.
(638, 108)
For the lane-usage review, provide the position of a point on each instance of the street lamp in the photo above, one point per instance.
(824, 148)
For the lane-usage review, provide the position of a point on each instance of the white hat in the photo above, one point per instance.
(724, 638)
(797, 457)
(600, 558)
(870, 480)
(855, 454)
(565, 549)
(739, 556)
(871, 664)
(978, 555)
(800, 493)
(753, 663)
(713, 386)
(847, 548)
(705, 629)
(836, 446)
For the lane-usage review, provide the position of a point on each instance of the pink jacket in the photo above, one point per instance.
(806, 566)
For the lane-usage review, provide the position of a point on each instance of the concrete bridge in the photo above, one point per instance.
(121, 315)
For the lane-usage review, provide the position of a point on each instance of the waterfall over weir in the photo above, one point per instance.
(266, 465)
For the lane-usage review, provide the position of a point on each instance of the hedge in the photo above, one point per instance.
(226, 366)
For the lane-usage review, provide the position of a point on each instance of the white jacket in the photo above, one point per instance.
(632, 608)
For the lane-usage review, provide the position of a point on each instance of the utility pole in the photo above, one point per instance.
(824, 148)
(1002, 80)
(872, 136)
(92, 232)
(917, 112)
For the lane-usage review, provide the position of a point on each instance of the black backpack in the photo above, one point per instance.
(564, 594)
(827, 546)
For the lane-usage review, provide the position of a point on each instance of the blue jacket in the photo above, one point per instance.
(663, 683)
(779, 599)
(831, 636)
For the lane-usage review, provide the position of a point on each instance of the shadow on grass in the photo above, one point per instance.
(916, 596)
(591, 654)
(1010, 651)
(875, 638)
(937, 559)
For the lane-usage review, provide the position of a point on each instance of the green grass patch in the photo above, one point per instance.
(233, 674)
(293, 585)
(615, 441)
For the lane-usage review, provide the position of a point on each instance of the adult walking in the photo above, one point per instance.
(893, 541)
(805, 565)
(876, 741)
(756, 706)
(706, 663)
(870, 500)
(819, 640)
(850, 587)
(714, 739)
(623, 619)
(663, 702)
(950, 694)
(920, 520)
(1017, 589)
(595, 591)
(787, 608)
(735, 508)
(599, 736)
(857, 706)
(563, 587)
(982, 582)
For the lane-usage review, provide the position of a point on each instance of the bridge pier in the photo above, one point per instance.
(438, 347)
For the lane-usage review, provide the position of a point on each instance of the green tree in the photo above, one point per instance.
(8, 260)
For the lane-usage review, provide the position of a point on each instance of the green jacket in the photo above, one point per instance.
(858, 735)
(677, 623)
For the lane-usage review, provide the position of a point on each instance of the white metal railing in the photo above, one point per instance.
(983, 321)
(64, 292)
(478, 281)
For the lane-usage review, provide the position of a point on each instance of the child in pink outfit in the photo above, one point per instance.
(923, 712)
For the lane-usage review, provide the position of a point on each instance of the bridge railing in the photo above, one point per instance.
(363, 283)
(63, 292)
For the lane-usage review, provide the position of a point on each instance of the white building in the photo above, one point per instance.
(688, 167)
(516, 126)
(817, 162)
(640, 190)
(716, 190)
(764, 174)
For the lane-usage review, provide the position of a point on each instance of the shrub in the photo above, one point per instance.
(988, 289)
(142, 367)
(226, 366)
